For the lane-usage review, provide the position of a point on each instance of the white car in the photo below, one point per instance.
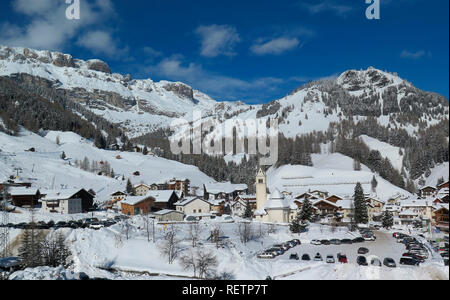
(96, 226)
(266, 255)
(330, 259)
(370, 238)
(316, 242)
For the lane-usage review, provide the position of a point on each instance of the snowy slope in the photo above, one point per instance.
(45, 168)
(386, 150)
(440, 171)
(332, 173)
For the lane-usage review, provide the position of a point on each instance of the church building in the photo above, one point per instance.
(273, 208)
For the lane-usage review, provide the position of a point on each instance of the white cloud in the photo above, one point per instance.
(276, 46)
(328, 5)
(101, 42)
(217, 40)
(217, 85)
(47, 26)
(414, 55)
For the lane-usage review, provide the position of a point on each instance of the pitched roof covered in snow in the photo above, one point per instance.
(166, 212)
(277, 201)
(186, 201)
(161, 196)
(133, 200)
(22, 191)
(52, 195)
(224, 187)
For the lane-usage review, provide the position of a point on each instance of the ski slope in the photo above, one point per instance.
(332, 173)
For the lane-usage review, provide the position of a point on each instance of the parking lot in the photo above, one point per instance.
(384, 246)
(90, 223)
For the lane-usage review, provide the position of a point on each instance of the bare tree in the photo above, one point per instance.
(206, 262)
(271, 229)
(216, 233)
(170, 247)
(194, 233)
(148, 225)
(189, 261)
(125, 228)
(245, 231)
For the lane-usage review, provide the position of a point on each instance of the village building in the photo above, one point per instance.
(194, 206)
(218, 206)
(422, 208)
(326, 208)
(142, 189)
(441, 217)
(168, 215)
(69, 201)
(223, 190)
(23, 196)
(406, 217)
(444, 185)
(239, 205)
(179, 185)
(137, 205)
(163, 199)
(427, 191)
(117, 196)
(274, 208)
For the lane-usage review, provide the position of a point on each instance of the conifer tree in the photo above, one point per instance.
(387, 219)
(307, 210)
(361, 214)
(248, 213)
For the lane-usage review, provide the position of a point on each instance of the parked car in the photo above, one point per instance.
(306, 257)
(346, 241)
(415, 256)
(292, 244)
(294, 256)
(318, 257)
(389, 262)
(316, 242)
(266, 255)
(96, 226)
(362, 261)
(273, 251)
(369, 237)
(363, 250)
(325, 242)
(375, 262)
(409, 261)
(358, 240)
(297, 241)
(285, 247)
(335, 242)
(330, 259)
(342, 258)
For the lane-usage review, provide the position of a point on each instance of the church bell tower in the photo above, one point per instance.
(261, 189)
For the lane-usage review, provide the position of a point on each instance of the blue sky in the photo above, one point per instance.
(255, 51)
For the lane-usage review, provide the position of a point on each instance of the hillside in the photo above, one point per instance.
(45, 168)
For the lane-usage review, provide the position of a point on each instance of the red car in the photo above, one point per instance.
(342, 258)
(415, 256)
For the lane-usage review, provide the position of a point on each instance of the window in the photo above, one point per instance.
(200, 211)
(261, 181)
(195, 211)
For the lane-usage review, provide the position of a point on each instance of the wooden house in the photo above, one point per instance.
(23, 196)
(137, 205)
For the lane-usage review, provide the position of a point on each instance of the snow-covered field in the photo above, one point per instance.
(108, 254)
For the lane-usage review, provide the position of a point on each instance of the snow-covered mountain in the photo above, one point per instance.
(141, 106)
